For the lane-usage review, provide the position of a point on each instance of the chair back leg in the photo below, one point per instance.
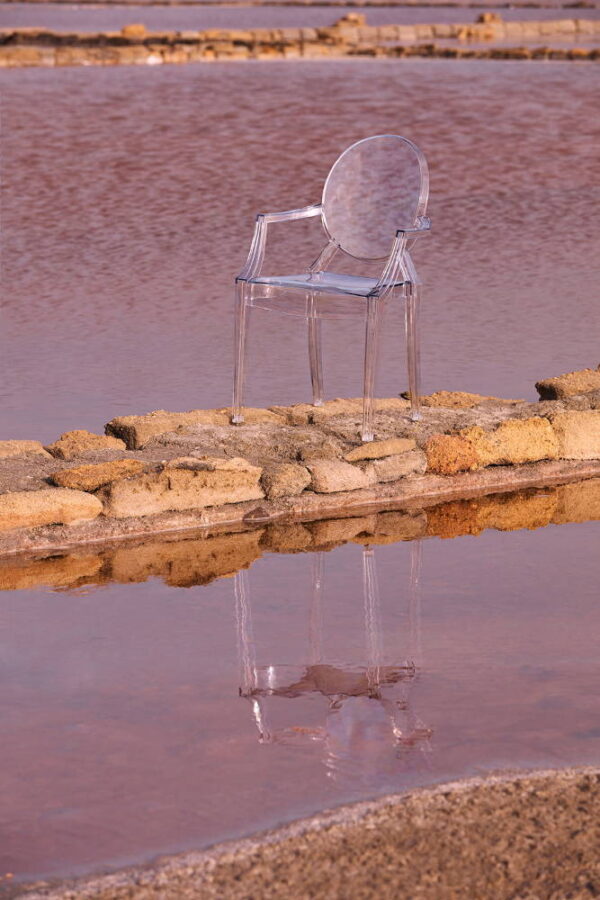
(413, 298)
(371, 351)
(315, 354)
(241, 321)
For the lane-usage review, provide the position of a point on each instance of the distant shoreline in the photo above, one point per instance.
(358, 4)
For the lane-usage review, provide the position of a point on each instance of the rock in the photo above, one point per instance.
(306, 413)
(448, 454)
(137, 431)
(55, 571)
(394, 526)
(504, 512)
(563, 386)
(394, 467)
(285, 480)
(578, 434)
(578, 502)
(22, 448)
(321, 447)
(134, 32)
(380, 449)
(90, 478)
(338, 531)
(330, 476)
(513, 442)
(461, 400)
(184, 484)
(73, 444)
(53, 506)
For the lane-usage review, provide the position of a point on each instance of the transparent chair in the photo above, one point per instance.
(372, 209)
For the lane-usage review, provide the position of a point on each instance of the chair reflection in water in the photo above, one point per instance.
(372, 209)
(370, 721)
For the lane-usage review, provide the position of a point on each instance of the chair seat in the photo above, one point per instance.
(322, 282)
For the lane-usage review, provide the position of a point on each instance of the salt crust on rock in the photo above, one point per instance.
(563, 386)
(92, 477)
(332, 475)
(448, 454)
(52, 506)
(513, 442)
(22, 448)
(136, 431)
(380, 449)
(285, 480)
(184, 483)
(399, 466)
(578, 434)
(77, 443)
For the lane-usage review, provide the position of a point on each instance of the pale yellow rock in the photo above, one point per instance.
(134, 32)
(578, 434)
(73, 444)
(563, 386)
(54, 506)
(392, 468)
(332, 475)
(184, 484)
(380, 449)
(22, 448)
(285, 480)
(460, 400)
(448, 454)
(513, 442)
(92, 477)
(306, 413)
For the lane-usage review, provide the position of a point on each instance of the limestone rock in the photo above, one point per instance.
(90, 478)
(73, 444)
(563, 386)
(578, 434)
(184, 484)
(330, 476)
(380, 449)
(460, 400)
(399, 466)
(513, 442)
(54, 506)
(134, 32)
(22, 448)
(321, 447)
(306, 413)
(285, 480)
(448, 454)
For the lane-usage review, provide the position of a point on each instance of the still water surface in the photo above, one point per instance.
(125, 735)
(127, 205)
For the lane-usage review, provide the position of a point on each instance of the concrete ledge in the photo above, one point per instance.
(527, 835)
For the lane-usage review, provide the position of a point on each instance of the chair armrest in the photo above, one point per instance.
(256, 255)
(422, 228)
(399, 262)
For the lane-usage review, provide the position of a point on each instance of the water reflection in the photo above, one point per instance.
(370, 724)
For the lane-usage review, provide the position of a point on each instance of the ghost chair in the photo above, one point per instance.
(372, 209)
(369, 714)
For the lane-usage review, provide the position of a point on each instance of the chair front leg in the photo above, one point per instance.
(241, 321)
(315, 353)
(371, 349)
(413, 299)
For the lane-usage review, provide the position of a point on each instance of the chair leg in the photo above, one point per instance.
(241, 316)
(413, 297)
(316, 359)
(371, 348)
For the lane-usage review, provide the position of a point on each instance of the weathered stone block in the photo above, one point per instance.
(380, 449)
(448, 454)
(513, 442)
(460, 400)
(306, 413)
(285, 480)
(330, 476)
(22, 448)
(184, 484)
(73, 444)
(90, 478)
(54, 506)
(563, 386)
(394, 467)
(578, 434)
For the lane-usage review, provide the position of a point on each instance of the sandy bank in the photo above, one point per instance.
(509, 836)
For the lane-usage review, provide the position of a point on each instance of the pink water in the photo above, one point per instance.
(124, 734)
(127, 204)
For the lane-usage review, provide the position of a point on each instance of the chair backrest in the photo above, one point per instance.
(378, 185)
